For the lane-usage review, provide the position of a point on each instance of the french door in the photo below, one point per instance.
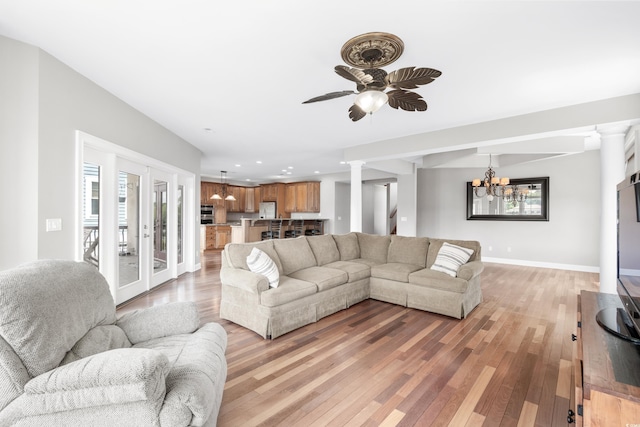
(133, 222)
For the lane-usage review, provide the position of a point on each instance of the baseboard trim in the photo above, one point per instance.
(556, 266)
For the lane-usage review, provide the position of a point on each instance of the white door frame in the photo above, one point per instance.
(91, 148)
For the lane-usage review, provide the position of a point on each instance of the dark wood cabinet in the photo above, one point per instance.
(607, 387)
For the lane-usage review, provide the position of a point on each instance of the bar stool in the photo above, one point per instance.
(316, 230)
(298, 229)
(274, 227)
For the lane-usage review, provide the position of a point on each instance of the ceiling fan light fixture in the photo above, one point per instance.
(370, 101)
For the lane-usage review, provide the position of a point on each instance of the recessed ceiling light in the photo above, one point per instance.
(316, 171)
(259, 162)
(290, 167)
(284, 170)
(343, 162)
(248, 179)
(288, 173)
(238, 165)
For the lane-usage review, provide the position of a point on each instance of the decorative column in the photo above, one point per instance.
(356, 195)
(611, 173)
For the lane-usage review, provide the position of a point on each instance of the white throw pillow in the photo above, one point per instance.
(450, 258)
(259, 262)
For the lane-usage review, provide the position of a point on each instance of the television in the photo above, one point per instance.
(625, 322)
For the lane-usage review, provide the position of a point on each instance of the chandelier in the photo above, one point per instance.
(216, 196)
(493, 186)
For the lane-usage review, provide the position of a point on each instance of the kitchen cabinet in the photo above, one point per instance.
(303, 197)
(236, 205)
(206, 191)
(269, 192)
(607, 383)
(223, 236)
(214, 236)
(250, 199)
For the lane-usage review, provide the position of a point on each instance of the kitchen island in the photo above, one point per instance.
(214, 236)
(250, 230)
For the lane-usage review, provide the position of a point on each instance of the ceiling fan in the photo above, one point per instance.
(367, 53)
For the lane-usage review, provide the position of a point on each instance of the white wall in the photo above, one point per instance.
(570, 239)
(343, 208)
(381, 209)
(18, 153)
(58, 101)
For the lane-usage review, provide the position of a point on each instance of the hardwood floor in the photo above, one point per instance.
(377, 364)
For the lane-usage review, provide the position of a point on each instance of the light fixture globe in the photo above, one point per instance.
(370, 101)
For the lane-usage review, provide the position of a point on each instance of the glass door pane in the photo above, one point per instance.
(91, 213)
(128, 228)
(160, 199)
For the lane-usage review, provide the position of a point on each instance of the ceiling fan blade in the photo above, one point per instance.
(356, 113)
(412, 77)
(330, 95)
(354, 74)
(406, 100)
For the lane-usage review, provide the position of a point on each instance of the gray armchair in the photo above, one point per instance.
(66, 360)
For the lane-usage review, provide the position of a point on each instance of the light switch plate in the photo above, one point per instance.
(54, 224)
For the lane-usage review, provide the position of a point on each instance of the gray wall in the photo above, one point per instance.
(51, 101)
(569, 238)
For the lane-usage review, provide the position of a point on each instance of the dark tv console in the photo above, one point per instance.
(606, 368)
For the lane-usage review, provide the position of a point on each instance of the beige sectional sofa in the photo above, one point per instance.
(320, 275)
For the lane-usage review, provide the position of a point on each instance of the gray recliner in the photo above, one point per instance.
(67, 360)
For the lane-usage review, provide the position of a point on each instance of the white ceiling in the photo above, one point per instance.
(242, 69)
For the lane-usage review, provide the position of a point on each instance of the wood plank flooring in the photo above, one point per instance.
(377, 364)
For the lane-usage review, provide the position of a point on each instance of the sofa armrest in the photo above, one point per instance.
(160, 321)
(112, 377)
(244, 279)
(470, 270)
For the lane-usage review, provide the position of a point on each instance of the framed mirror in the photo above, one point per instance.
(523, 199)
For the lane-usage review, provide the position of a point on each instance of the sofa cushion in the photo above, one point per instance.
(450, 258)
(289, 290)
(348, 246)
(259, 262)
(237, 253)
(295, 254)
(47, 306)
(367, 262)
(355, 270)
(324, 249)
(373, 247)
(434, 279)
(394, 271)
(323, 278)
(408, 250)
(97, 340)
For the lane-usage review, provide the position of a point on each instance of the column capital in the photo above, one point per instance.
(356, 163)
(611, 129)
